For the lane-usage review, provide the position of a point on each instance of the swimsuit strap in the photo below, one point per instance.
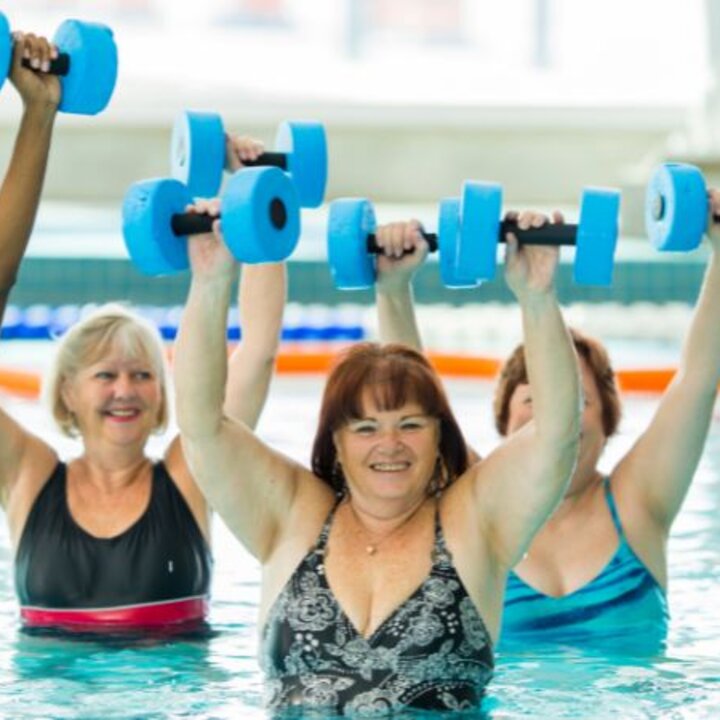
(440, 553)
(612, 507)
(325, 532)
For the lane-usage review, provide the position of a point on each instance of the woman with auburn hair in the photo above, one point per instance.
(596, 573)
(396, 374)
(383, 568)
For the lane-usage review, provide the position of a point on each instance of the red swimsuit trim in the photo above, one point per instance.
(170, 612)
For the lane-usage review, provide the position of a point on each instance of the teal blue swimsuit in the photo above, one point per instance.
(623, 608)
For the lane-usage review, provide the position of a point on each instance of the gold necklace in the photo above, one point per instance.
(372, 547)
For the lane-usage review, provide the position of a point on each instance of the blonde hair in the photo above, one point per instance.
(106, 327)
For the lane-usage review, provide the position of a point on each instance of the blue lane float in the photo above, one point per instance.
(44, 322)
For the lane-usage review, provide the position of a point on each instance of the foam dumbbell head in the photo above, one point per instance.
(480, 229)
(259, 212)
(350, 221)
(676, 207)
(89, 84)
(597, 236)
(305, 144)
(353, 260)
(197, 152)
(260, 215)
(449, 243)
(147, 214)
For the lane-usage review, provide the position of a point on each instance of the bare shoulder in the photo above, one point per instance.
(458, 503)
(312, 502)
(36, 468)
(35, 465)
(313, 496)
(626, 488)
(466, 489)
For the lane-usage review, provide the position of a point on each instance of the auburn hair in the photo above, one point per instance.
(394, 374)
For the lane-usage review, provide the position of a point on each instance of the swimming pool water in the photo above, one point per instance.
(218, 676)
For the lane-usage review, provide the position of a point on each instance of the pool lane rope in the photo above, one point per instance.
(302, 360)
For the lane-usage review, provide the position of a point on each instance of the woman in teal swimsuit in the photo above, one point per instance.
(383, 568)
(597, 571)
(583, 582)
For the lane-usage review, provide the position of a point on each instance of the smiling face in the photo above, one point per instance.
(377, 391)
(109, 366)
(388, 454)
(117, 397)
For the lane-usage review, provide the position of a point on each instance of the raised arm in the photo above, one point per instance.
(653, 478)
(261, 300)
(404, 251)
(519, 484)
(248, 484)
(20, 191)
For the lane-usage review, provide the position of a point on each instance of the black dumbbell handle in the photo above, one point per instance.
(191, 223)
(548, 234)
(374, 249)
(197, 223)
(58, 66)
(274, 159)
(557, 234)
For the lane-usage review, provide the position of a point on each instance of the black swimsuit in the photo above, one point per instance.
(433, 652)
(155, 573)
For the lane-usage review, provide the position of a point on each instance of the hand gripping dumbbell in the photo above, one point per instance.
(260, 220)
(352, 246)
(480, 229)
(676, 207)
(86, 65)
(197, 155)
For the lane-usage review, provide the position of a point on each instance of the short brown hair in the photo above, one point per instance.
(514, 373)
(396, 374)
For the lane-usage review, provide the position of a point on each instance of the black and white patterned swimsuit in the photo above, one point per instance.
(433, 652)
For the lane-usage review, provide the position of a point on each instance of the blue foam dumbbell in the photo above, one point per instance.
(353, 250)
(594, 237)
(197, 155)
(86, 65)
(676, 207)
(260, 220)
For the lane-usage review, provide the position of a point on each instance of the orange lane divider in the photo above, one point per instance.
(20, 382)
(635, 380)
(651, 381)
(300, 360)
(455, 365)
